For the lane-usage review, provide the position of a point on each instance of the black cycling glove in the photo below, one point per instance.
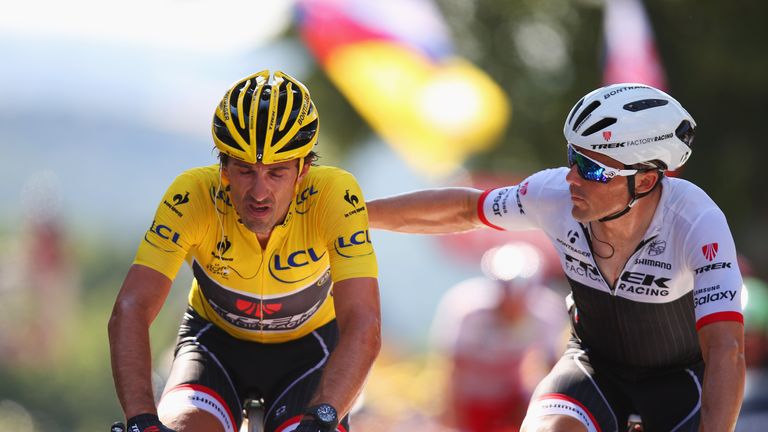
(146, 423)
(311, 425)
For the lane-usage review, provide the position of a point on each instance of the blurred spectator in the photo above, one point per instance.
(754, 409)
(40, 299)
(501, 333)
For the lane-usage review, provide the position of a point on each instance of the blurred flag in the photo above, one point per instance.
(630, 50)
(394, 61)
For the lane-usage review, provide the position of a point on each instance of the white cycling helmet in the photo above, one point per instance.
(633, 124)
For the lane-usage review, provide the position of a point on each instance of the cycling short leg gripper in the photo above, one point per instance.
(199, 397)
(559, 404)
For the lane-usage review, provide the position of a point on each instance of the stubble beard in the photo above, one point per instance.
(581, 213)
(259, 227)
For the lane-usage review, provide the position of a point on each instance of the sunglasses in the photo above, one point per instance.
(592, 170)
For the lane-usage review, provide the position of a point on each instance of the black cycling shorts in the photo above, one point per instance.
(216, 372)
(602, 397)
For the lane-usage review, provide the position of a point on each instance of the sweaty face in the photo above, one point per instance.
(594, 200)
(261, 193)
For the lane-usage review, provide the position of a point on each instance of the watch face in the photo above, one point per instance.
(326, 413)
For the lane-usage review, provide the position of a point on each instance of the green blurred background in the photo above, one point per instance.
(101, 105)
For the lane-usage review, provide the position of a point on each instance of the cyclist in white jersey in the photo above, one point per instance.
(655, 286)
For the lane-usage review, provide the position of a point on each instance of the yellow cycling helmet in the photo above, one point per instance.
(266, 120)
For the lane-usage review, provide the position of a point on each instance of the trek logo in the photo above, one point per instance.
(657, 247)
(638, 141)
(643, 284)
(709, 251)
(715, 266)
(221, 248)
(573, 236)
(296, 259)
(257, 309)
(644, 279)
(581, 268)
(606, 146)
(524, 188)
(607, 135)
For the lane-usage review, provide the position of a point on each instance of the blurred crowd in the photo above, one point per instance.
(39, 281)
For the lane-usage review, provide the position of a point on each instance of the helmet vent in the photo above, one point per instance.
(584, 114)
(602, 124)
(645, 104)
(222, 133)
(686, 132)
(301, 138)
(575, 108)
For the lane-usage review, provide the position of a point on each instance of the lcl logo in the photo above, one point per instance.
(165, 232)
(296, 259)
(305, 194)
(358, 238)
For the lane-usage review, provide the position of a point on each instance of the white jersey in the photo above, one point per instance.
(683, 275)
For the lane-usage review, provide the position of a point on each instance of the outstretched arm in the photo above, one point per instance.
(722, 345)
(428, 211)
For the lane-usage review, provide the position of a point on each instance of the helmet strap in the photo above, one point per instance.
(298, 175)
(633, 197)
(621, 213)
(301, 167)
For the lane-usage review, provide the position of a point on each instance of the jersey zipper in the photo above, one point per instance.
(279, 234)
(612, 288)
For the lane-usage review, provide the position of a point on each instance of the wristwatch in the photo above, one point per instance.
(325, 414)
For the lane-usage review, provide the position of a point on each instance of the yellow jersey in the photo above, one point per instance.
(270, 295)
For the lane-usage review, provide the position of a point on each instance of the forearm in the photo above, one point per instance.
(131, 363)
(430, 211)
(723, 390)
(349, 364)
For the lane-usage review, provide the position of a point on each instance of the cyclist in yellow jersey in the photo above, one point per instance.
(284, 304)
